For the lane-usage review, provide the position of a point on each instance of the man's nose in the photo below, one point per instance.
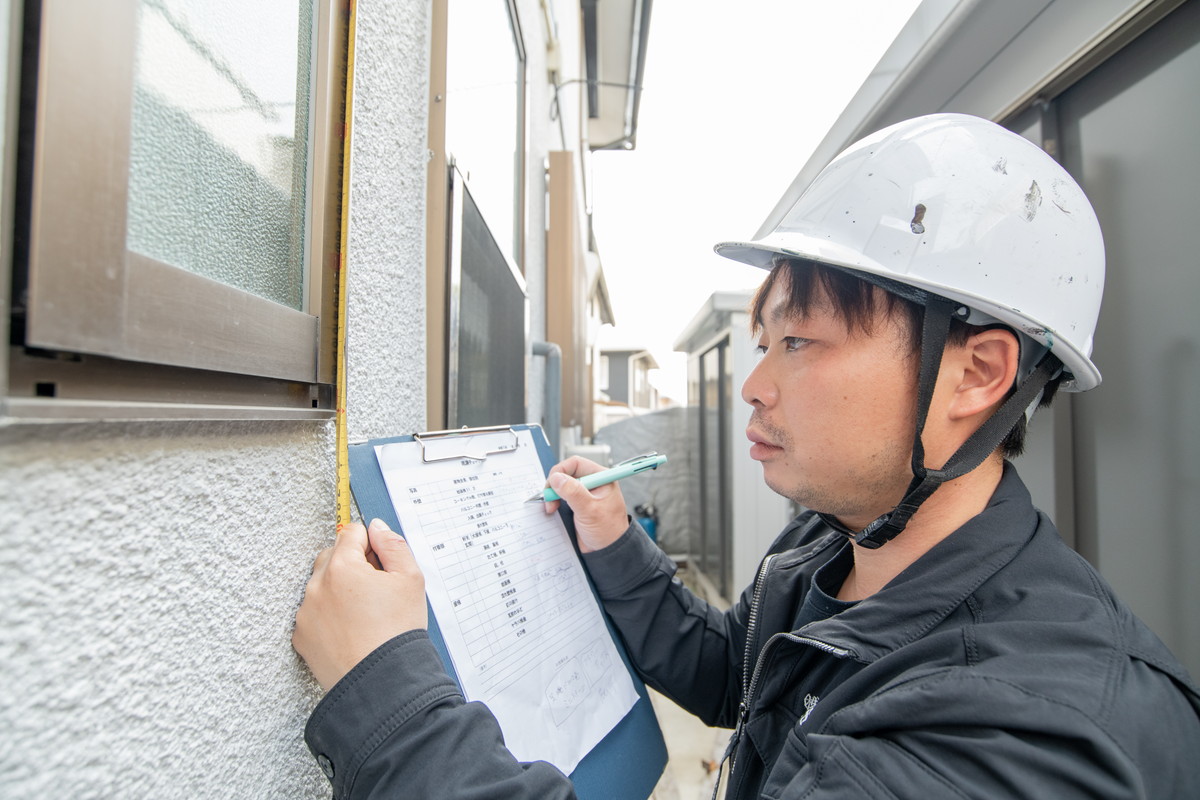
(759, 389)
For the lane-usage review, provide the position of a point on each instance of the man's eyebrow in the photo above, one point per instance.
(782, 312)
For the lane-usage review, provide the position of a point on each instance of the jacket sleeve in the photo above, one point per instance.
(681, 645)
(397, 726)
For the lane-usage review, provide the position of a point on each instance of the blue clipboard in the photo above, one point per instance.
(628, 762)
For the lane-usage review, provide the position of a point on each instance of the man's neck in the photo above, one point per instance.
(942, 514)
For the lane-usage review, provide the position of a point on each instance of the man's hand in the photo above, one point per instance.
(364, 590)
(600, 515)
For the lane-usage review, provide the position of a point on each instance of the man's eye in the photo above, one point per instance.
(793, 343)
(790, 345)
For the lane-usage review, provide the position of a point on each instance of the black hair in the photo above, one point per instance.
(860, 303)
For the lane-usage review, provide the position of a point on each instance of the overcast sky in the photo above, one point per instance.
(737, 95)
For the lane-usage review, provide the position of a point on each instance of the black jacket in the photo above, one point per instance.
(998, 665)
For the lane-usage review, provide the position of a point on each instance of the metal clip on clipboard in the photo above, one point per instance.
(473, 443)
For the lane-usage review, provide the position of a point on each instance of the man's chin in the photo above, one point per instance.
(808, 498)
(794, 493)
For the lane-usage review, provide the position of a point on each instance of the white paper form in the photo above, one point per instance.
(522, 627)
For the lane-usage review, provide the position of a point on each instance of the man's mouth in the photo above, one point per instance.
(761, 448)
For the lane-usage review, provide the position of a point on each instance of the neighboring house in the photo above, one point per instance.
(626, 378)
(732, 516)
(623, 387)
(184, 214)
(600, 313)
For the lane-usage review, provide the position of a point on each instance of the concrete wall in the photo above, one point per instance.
(668, 486)
(149, 572)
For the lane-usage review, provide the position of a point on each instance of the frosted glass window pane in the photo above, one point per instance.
(482, 103)
(219, 141)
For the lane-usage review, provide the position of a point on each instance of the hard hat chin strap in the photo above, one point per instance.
(978, 446)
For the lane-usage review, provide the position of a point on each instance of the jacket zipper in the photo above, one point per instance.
(751, 631)
(747, 676)
(743, 707)
(748, 693)
(750, 677)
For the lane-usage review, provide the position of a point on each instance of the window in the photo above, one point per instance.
(176, 209)
(477, 127)
(485, 112)
(488, 330)
(716, 501)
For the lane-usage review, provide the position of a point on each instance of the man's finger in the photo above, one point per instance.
(352, 540)
(569, 489)
(393, 552)
(576, 467)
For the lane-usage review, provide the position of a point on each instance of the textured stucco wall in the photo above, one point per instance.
(150, 572)
(385, 345)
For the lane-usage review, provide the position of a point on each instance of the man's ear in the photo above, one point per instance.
(985, 368)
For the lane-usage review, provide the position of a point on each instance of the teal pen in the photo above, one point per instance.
(623, 470)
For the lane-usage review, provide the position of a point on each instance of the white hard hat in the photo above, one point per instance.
(960, 207)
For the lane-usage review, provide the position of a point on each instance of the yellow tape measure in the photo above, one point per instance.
(343, 451)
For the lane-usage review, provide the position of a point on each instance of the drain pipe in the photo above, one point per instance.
(553, 354)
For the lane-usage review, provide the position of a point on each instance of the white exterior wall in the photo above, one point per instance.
(539, 141)
(544, 135)
(150, 572)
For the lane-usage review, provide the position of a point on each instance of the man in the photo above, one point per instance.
(923, 631)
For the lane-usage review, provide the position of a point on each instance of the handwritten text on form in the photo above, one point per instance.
(505, 584)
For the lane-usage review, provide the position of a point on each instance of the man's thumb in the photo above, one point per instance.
(392, 551)
(568, 488)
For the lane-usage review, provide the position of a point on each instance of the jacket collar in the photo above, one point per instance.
(924, 594)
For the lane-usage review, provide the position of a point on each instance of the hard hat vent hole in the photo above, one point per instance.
(918, 220)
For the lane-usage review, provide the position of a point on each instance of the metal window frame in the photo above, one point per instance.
(121, 335)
